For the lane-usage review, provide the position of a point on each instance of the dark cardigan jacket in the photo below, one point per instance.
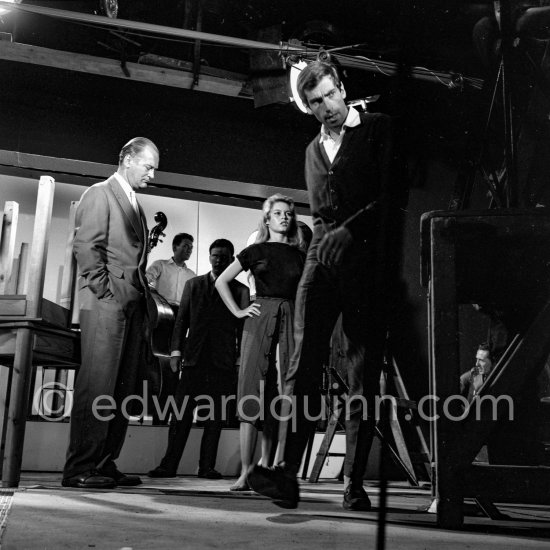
(364, 182)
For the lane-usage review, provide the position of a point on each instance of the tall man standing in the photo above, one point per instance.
(110, 247)
(168, 277)
(353, 189)
(210, 350)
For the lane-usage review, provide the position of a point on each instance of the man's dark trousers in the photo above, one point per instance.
(196, 381)
(97, 438)
(323, 294)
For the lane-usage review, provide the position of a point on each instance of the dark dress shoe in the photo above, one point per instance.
(277, 483)
(89, 480)
(122, 480)
(356, 498)
(160, 471)
(210, 474)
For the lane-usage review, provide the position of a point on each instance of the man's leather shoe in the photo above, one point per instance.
(277, 483)
(122, 480)
(160, 471)
(209, 474)
(89, 480)
(356, 498)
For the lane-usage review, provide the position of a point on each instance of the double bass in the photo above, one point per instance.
(161, 316)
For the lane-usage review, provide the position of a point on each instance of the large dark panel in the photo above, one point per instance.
(73, 115)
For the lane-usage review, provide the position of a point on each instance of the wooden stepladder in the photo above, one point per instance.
(412, 464)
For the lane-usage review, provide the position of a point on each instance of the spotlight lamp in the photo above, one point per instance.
(4, 10)
(296, 65)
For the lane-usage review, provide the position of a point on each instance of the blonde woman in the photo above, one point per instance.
(276, 260)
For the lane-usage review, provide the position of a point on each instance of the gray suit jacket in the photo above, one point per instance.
(110, 243)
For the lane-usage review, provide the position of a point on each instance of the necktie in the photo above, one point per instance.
(133, 201)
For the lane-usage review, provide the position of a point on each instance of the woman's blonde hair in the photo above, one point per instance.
(294, 236)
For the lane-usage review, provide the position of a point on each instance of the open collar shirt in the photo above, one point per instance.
(332, 141)
(168, 278)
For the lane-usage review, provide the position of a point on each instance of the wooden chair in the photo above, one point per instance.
(33, 331)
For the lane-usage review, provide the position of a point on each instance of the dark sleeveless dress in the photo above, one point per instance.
(277, 268)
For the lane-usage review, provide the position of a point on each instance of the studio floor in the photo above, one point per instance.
(187, 512)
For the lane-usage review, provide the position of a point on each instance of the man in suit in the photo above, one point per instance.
(356, 195)
(110, 247)
(210, 354)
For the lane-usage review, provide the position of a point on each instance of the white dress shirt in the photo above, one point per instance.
(127, 188)
(331, 140)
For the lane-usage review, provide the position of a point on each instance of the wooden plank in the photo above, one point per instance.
(51, 345)
(404, 400)
(7, 345)
(11, 287)
(55, 346)
(22, 269)
(445, 366)
(17, 415)
(155, 60)
(145, 27)
(431, 384)
(8, 230)
(71, 61)
(37, 324)
(39, 250)
(54, 313)
(59, 401)
(324, 449)
(401, 447)
(5, 385)
(68, 281)
(11, 306)
(521, 484)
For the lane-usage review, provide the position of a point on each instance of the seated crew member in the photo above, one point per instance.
(210, 353)
(472, 380)
(168, 277)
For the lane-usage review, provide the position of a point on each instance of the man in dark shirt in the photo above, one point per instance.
(353, 182)
(210, 354)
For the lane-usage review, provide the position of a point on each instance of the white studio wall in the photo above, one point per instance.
(182, 217)
(205, 221)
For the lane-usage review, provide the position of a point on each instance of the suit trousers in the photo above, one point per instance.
(324, 294)
(111, 348)
(206, 390)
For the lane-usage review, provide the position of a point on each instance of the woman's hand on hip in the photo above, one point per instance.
(250, 311)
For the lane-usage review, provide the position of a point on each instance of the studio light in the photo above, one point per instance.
(295, 68)
(4, 10)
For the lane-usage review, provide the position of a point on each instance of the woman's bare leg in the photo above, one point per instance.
(248, 435)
